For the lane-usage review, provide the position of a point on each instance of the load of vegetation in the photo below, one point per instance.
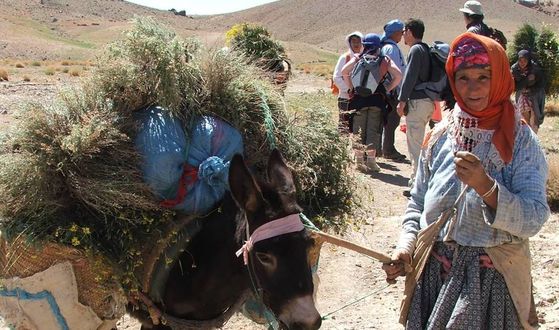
(70, 173)
(544, 47)
(256, 43)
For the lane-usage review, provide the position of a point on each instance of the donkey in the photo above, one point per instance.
(209, 278)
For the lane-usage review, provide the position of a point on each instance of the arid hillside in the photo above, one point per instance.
(325, 22)
(67, 29)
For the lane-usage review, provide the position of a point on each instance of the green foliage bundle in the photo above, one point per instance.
(256, 43)
(69, 171)
(320, 158)
(548, 53)
(544, 47)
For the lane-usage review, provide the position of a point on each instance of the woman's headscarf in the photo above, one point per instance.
(473, 50)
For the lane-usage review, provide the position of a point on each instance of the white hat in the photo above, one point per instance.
(472, 7)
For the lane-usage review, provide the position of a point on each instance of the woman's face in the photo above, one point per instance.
(522, 62)
(473, 86)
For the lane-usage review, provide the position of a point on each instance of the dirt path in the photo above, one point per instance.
(346, 276)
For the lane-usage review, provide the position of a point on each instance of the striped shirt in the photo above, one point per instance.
(522, 204)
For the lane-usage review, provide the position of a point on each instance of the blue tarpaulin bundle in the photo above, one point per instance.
(186, 172)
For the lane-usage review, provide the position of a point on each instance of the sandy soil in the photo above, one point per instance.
(347, 278)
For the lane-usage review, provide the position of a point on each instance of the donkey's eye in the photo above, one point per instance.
(267, 260)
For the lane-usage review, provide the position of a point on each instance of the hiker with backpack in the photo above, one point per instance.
(530, 89)
(393, 33)
(363, 75)
(480, 194)
(473, 17)
(414, 103)
(338, 85)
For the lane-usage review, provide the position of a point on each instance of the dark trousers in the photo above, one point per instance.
(391, 122)
(345, 124)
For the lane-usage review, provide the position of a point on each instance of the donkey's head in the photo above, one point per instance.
(277, 257)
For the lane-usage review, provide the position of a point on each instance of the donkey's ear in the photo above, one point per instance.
(244, 188)
(279, 174)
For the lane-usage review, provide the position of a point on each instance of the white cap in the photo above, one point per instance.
(472, 7)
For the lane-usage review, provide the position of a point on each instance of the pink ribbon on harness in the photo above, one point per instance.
(289, 224)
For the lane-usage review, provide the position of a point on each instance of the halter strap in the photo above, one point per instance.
(289, 224)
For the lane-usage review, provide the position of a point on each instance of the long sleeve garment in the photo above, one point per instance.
(337, 75)
(522, 205)
(521, 80)
(417, 71)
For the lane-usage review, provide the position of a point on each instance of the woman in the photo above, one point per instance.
(530, 89)
(367, 120)
(479, 277)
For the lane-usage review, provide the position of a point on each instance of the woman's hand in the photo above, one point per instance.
(397, 267)
(470, 171)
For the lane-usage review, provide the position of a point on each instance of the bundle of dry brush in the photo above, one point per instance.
(69, 171)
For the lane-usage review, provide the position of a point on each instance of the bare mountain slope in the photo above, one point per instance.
(69, 28)
(325, 22)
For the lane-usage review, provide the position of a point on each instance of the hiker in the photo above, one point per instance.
(353, 41)
(478, 274)
(393, 33)
(368, 118)
(419, 107)
(473, 16)
(530, 89)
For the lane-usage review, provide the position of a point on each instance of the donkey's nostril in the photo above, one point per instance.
(303, 326)
(317, 323)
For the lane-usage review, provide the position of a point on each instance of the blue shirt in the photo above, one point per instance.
(522, 203)
(392, 50)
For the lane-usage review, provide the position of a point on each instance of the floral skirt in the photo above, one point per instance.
(458, 292)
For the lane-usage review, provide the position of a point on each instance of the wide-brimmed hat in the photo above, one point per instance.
(472, 7)
(391, 27)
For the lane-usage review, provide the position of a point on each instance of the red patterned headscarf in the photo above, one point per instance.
(472, 50)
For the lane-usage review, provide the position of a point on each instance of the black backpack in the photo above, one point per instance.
(498, 36)
(437, 85)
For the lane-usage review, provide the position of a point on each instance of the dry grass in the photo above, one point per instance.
(26, 78)
(552, 107)
(65, 63)
(3, 75)
(20, 65)
(49, 71)
(553, 183)
(319, 69)
(75, 72)
(36, 63)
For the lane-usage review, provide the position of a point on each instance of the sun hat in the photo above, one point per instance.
(472, 7)
(391, 27)
(371, 40)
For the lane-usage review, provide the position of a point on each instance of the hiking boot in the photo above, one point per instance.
(372, 165)
(407, 193)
